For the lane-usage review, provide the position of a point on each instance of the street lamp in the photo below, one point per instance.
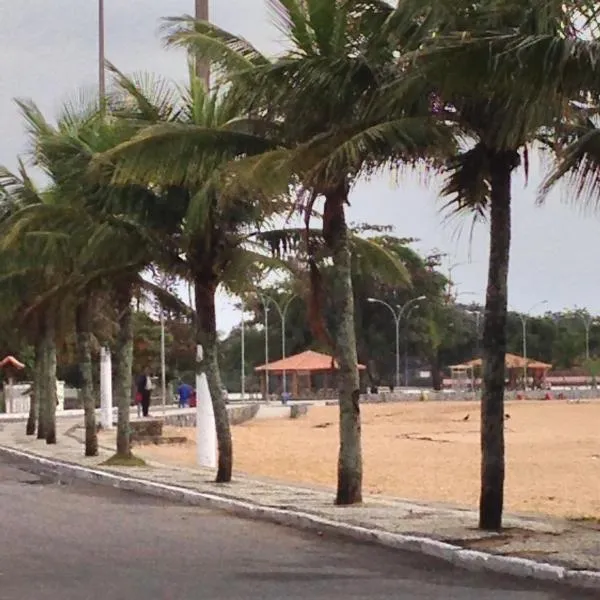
(266, 350)
(243, 352)
(282, 315)
(101, 54)
(397, 318)
(588, 321)
(524, 324)
(202, 66)
(477, 315)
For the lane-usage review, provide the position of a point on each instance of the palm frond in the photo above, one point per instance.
(230, 53)
(467, 183)
(578, 167)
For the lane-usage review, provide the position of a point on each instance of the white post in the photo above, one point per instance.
(243, 361)
(9, 396)
(106, 398)
(163, 366)
(206, 432)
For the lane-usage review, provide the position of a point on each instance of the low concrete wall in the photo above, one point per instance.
(241, 414)
(465, 396)
(237, 416)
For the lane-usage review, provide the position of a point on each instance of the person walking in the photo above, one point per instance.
(145, 387)
(184, 391)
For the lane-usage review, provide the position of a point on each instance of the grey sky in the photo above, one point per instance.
(49, 50)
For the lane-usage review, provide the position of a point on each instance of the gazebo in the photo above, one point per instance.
(308, 371)
(516, 366)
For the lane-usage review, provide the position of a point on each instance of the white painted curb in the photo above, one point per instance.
(471, 560)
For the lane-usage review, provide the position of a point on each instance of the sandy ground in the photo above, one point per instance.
(427, 451)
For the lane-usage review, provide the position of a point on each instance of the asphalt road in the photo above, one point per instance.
(78, 541)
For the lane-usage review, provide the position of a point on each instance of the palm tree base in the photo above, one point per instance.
(130, 460)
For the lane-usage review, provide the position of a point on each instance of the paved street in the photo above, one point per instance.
(73, 541)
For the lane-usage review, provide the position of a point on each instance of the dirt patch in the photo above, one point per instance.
(428, 451)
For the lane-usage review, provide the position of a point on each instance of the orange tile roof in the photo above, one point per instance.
(305, 361)
(11, 361)
(512, 361)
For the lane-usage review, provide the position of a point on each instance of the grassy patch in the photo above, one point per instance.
(122, 461)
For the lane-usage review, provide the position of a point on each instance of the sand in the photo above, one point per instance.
(427, 451)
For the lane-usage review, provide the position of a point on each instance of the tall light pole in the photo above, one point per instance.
(406, 344)
(282, 315)
(243, 360)
(266, 308)
(163, 363)
(101, 54)
(202, 66)
(524, 324)
(477, 315)
(397, 318)
(587, 321)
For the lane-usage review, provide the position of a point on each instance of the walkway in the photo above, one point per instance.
(560, 542)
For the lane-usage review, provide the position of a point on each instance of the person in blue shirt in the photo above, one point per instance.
(184, 392)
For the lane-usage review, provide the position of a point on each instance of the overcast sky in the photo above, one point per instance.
(49, 50)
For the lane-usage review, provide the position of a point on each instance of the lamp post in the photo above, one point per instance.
(101, 54)
(587, 321)
(397, 318)
(202, 66)
(450, 281)
(406, 345)
(282, 314)
(243, 353)
(477, 315)
(524, 318)
(163, 362)
(266, 350)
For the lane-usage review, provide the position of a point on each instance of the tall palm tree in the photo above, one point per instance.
(31, 279)
(320, 98)
(184, 137)
(110, 223)
(505, 73)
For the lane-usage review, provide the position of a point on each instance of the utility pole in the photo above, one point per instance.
(202, 66)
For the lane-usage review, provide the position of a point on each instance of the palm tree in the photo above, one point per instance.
(505, 73)
(184, 138)
(29, 279)
(320, 99)
(109, 247)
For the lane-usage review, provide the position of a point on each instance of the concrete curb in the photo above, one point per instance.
(471, 560)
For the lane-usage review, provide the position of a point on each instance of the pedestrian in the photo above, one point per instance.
(145, 390)
(184, 393)
(138, 402)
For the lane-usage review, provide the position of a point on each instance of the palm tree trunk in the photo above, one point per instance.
(41, 391)
(335, 231)
(123, 366)
(84, 350)
(50, 379)
(206, 335)
(35, 393)
(494, 344)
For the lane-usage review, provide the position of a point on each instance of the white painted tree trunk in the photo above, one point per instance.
(206, 431)
(106, 395)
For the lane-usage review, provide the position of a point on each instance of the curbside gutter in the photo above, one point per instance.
(472, 560)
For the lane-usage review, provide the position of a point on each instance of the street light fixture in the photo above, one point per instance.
(282, 314)
(397, 318)
(524, 318)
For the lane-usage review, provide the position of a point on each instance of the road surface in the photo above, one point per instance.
(76, 540)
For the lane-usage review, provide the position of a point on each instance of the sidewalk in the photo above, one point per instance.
(573, 548)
